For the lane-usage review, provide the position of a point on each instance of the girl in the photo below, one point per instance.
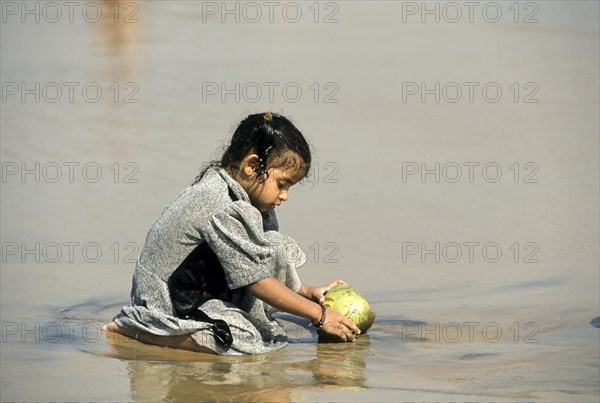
(214, 266)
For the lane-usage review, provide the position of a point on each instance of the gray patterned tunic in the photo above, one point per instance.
(248, 246)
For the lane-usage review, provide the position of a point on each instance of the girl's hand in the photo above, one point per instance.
(340, 326)
(317, 294)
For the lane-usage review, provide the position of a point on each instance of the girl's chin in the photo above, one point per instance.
(264, 209)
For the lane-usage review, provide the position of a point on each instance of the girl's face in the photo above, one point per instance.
(270, 193)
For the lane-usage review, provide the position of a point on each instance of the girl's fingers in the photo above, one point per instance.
(350, 334)
(348, 324)
(333, 284)
(341, 326)
(343, 332)
(353, 328)
(346, 333)
(339, 330)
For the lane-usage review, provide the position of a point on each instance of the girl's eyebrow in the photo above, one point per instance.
(287, 181)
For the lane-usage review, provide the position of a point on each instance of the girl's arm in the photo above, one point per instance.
(276, 294)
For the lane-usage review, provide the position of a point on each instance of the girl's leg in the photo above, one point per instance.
(184, 342)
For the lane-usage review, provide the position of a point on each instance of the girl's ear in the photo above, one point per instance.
(249, 164)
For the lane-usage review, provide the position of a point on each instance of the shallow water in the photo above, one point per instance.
(485, 284)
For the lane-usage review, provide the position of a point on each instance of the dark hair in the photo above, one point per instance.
(270, 136)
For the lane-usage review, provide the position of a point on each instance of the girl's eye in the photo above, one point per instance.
(281, 185)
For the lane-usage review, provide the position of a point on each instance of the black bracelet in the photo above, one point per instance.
(323, 315)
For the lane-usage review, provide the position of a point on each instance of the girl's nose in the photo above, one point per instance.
(283, 195)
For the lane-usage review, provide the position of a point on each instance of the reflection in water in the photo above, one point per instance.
(165, 374)
(204, 381)
(116, 39)
(118, 63)
(342, 364)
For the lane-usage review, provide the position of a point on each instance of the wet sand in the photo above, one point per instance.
(485, 283)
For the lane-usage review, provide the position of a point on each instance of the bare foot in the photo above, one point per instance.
(111, 327)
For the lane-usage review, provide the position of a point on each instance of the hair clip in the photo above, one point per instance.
(267, 151)
(262, 159)
(268, 117)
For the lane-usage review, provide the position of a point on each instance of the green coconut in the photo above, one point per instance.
(347, 301)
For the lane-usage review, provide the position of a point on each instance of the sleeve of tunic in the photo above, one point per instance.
(236, 235)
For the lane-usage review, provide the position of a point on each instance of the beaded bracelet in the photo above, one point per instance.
(322, 321)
